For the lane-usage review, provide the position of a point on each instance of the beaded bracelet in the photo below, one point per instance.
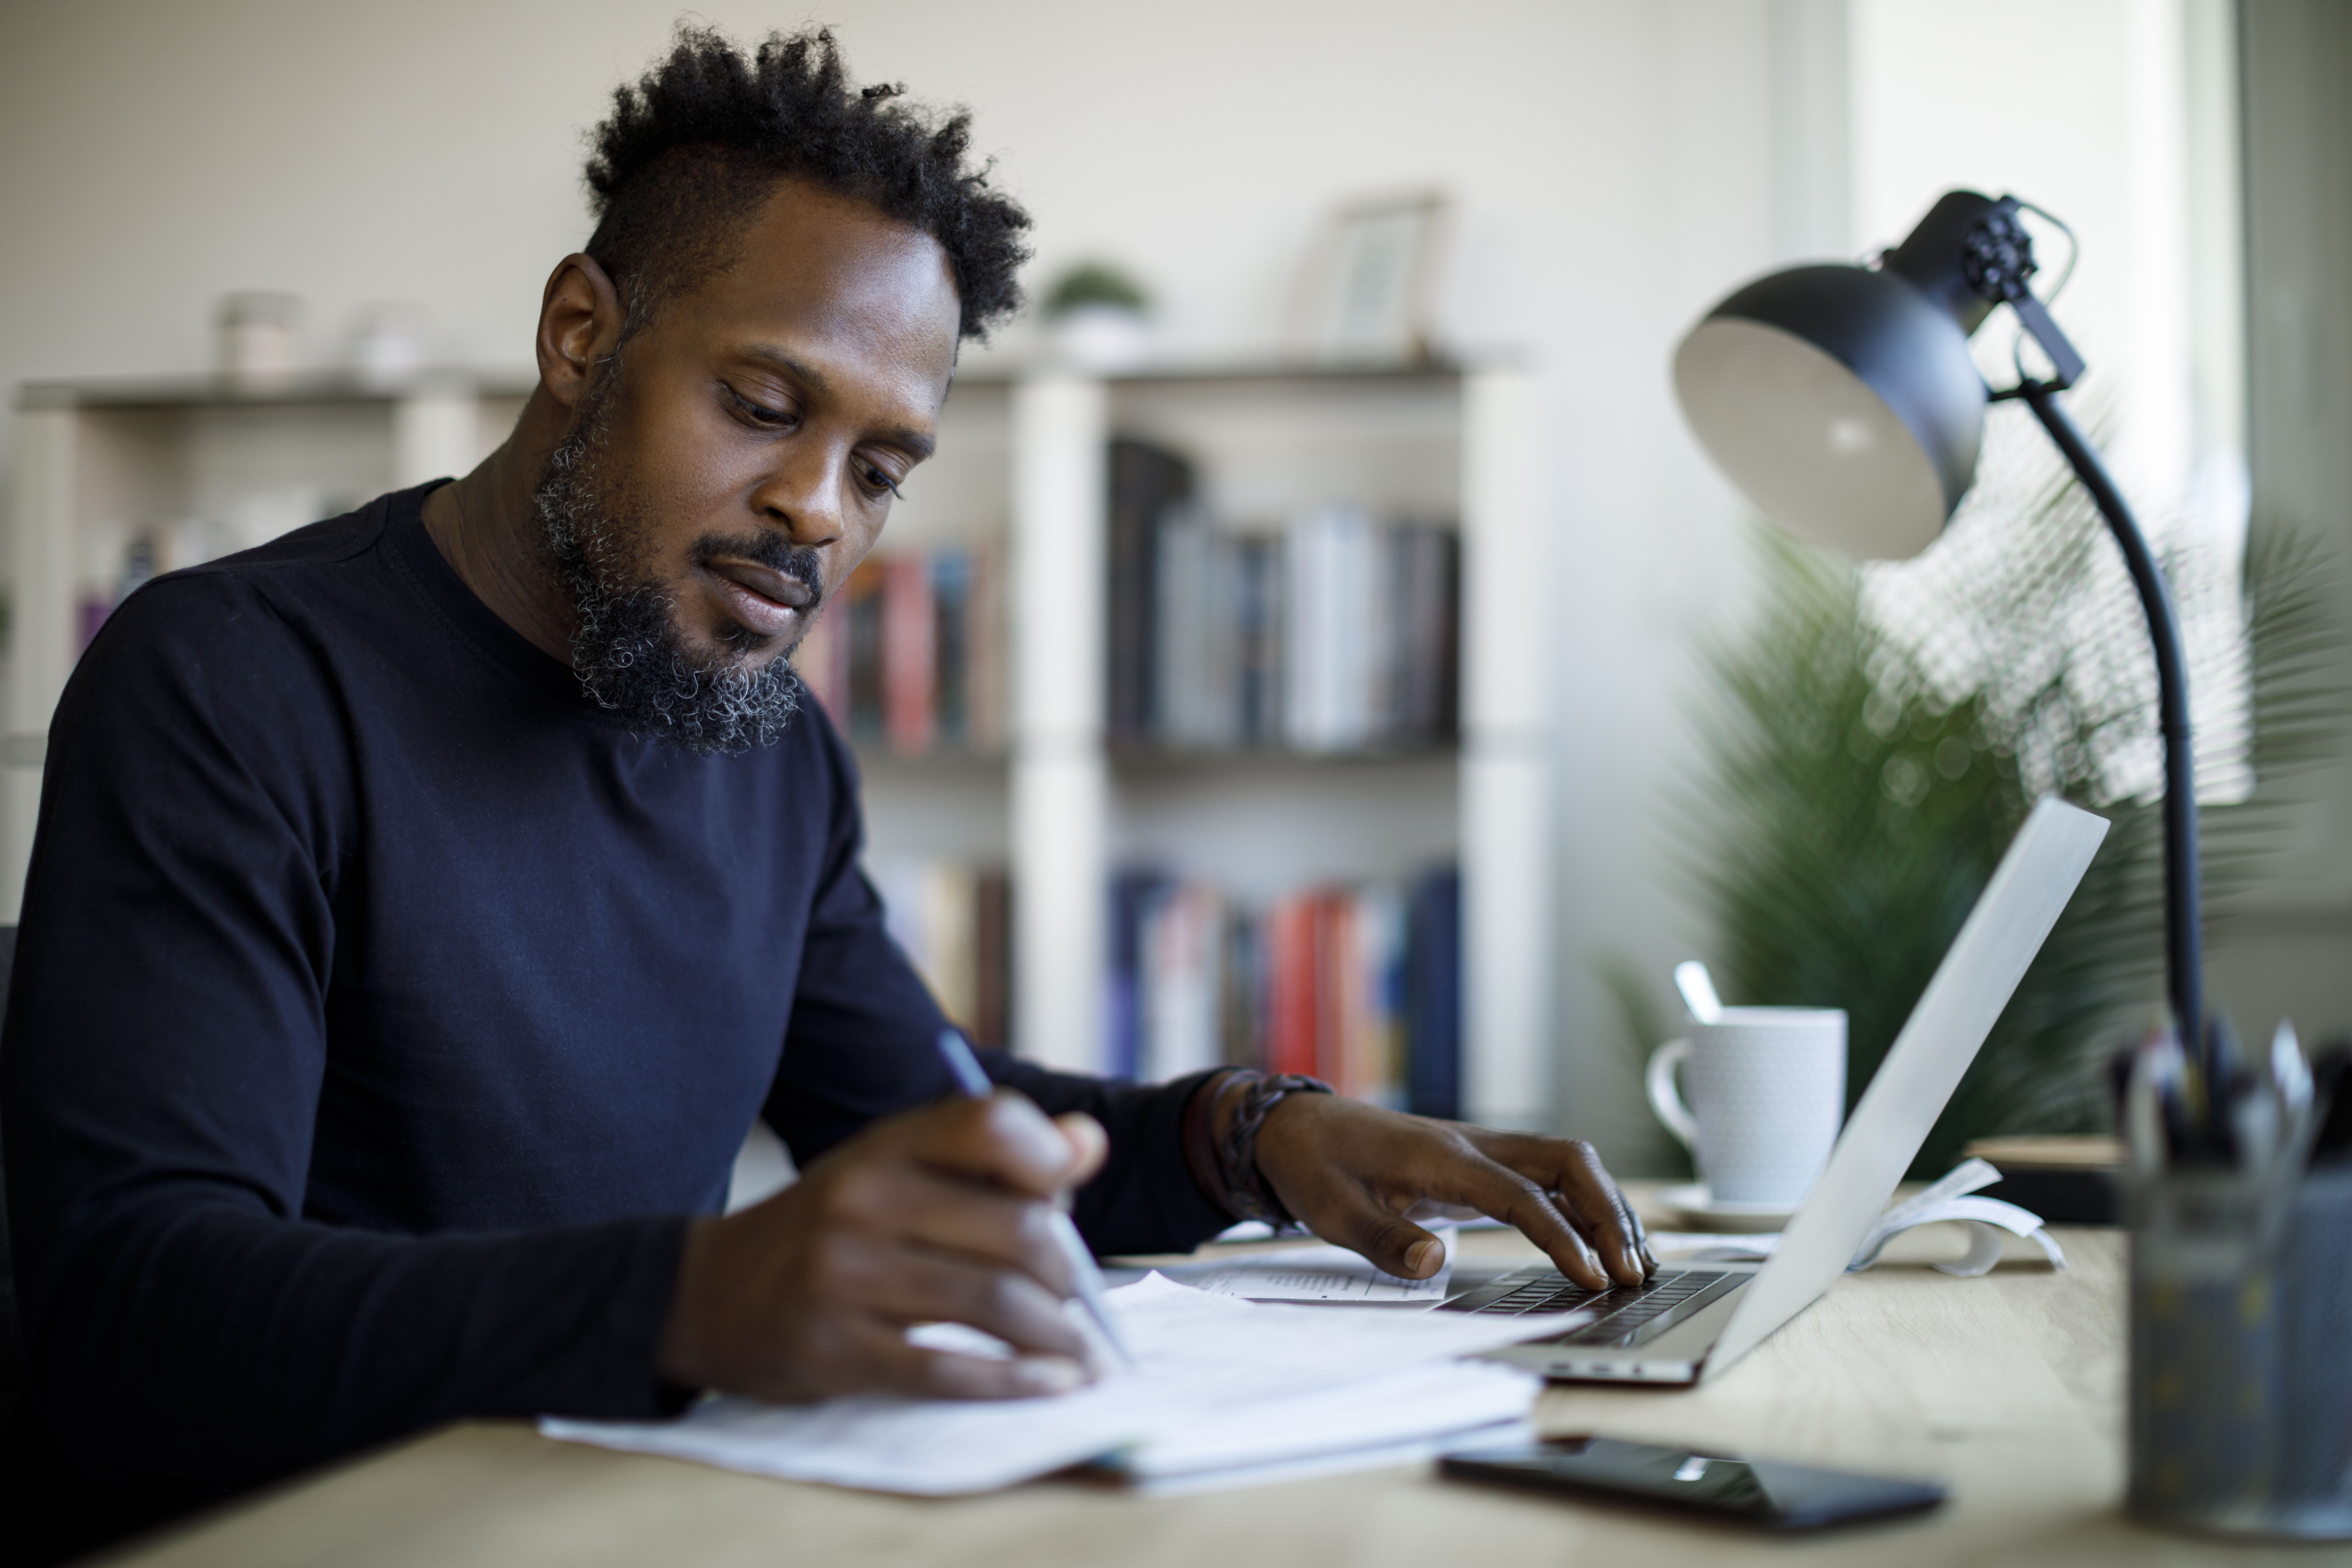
(1246, 1192)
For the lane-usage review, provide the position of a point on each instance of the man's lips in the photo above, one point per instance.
(762, 598)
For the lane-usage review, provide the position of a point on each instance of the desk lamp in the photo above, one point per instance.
(1841, 401)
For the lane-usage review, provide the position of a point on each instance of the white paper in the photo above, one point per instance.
(1415, 1403)
(1219, 1382)
(1318, 1273)
(1460, 1216)
(1949, 1201)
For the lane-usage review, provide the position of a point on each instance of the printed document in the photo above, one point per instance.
(1318, 1273)
(1219, 1384)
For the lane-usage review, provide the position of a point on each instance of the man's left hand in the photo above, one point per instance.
(1350, 1172)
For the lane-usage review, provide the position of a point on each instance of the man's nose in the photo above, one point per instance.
(801, 495)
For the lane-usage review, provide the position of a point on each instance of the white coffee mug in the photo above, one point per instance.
(1766, 1095)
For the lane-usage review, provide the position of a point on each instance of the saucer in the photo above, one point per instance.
(1692, 1202)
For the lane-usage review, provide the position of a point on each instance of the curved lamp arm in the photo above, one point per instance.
(2183, 936)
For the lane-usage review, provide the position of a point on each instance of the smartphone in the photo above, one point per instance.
(1762, 1492)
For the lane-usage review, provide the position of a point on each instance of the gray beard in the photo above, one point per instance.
(626, 648)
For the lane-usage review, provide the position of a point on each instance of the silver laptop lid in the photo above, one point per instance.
(1954, 1014)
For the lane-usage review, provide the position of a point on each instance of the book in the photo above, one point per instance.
(1180, 954)
(1195, 686)
(1375, 1050)
(862, 600)
(985, 707)
(951, 571)
(1291, 1026)
(1255, 637)
(992, 1020)
(1145, 481)
(1335, 634)
(1421, 672)
(1354, 984)
(1431, 1000)
(1328, 603)
(1242, 990)
(1331, 981)
(1131, 892)
(951, 920)
(909, 655)
(909, 652)
(822, 662)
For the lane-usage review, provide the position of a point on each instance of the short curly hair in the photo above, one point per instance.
(695, 146)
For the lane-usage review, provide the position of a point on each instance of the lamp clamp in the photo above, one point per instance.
(1997, 259)
(1996, 256)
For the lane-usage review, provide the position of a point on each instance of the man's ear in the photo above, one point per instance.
(579, 325)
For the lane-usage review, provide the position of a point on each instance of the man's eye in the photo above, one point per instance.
(877, 483)
(758, 412)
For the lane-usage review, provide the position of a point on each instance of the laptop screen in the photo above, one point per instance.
(2013, 918)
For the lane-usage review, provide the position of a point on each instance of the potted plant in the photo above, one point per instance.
(1098, 318)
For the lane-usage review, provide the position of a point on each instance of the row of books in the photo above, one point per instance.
(1359, 985)
(1335, 633)
(910, 656)
(955, 921)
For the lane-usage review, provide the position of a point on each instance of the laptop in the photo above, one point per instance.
(1687, 1324)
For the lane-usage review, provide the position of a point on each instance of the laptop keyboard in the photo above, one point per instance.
(1626, 1311)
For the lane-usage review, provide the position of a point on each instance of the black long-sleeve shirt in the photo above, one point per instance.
(383, 1010)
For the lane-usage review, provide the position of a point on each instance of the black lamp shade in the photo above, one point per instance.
(1842, 401)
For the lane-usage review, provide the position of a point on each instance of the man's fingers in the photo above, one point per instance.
(1354, 1218)
(999, 1228)
(1594, 1198)
(1523, 1206)
(1089, 1146)
(893, 1365)
(1003, 1140)
(1591, 1198)
(919, 1289)
(1519, 1200)
(942, 1374)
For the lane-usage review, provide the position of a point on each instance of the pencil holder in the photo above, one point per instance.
(2241, 1355)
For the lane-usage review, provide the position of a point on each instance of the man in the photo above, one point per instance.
(425, 905)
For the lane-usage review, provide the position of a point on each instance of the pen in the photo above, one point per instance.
(1092, 1293)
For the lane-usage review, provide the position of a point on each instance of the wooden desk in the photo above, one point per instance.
(2008, 1387)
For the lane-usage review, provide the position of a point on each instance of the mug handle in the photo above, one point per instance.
(1665, 1099)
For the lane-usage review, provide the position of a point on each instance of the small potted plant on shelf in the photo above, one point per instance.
(1098, 318)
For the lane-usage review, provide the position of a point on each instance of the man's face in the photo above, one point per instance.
(714, 491)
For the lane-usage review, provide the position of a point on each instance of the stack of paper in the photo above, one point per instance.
(1220, 1385)
(1319, 1273)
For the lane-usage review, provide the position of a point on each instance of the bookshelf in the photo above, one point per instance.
(1048, 796)
(1432, 442)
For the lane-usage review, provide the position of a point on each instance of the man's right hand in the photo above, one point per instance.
(941, 1214)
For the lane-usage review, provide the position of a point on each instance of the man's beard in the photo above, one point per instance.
(626, 647)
